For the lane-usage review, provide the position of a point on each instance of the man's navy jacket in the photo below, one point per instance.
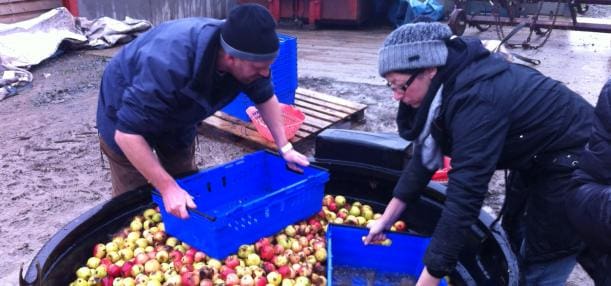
(165, 82)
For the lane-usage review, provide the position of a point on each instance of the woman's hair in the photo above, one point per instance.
(409, 71)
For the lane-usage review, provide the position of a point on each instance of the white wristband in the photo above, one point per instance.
(284, 149)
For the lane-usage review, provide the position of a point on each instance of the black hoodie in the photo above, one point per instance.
(494, 115)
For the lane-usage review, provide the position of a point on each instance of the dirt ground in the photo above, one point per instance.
(51, 168)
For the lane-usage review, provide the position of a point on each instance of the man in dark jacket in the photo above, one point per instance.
(589, 207)
(458, 99)
(159, 87)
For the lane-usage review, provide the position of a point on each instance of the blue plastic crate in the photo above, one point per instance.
(251, 197)
(284, 77)
(345, 248)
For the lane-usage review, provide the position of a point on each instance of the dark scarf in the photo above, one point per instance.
(461, 53)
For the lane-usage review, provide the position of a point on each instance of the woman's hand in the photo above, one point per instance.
(376, 231)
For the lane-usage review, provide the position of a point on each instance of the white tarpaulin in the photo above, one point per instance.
(29, 42)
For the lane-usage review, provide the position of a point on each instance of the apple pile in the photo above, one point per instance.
(144, 254)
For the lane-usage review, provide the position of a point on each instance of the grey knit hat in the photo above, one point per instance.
(412, 46)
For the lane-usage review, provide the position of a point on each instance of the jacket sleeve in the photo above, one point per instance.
(162, 68)
(596, 160)
(413, 180)
(477, 130)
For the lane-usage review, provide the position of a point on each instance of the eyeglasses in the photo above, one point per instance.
(405, 85)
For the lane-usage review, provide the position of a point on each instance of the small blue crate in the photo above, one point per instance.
(284, 77)
(345, 249)
(251, 197)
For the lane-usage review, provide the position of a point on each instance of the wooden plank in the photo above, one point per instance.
(28, 6)
(334, 108)
(311, 110)
(331, 99)
(238, 130)
(315, 114)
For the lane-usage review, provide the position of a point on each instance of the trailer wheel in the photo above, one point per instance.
(458, 21)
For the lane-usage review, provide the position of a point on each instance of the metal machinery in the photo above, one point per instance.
(313, 12)
(539, 16)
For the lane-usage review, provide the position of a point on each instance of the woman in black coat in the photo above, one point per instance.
(590, 206)
(459, 100)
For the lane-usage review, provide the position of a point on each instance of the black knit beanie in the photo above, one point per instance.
(249, 33)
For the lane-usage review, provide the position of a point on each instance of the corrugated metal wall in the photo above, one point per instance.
(155, 11)
(18, 10)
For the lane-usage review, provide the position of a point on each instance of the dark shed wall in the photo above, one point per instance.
(18, 10)
(156, 11)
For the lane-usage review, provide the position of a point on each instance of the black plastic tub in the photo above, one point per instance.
(486, 259)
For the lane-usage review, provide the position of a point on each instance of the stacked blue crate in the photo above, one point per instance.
(284, 77)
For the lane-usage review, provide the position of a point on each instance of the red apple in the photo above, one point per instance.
(186, 268)
(268, 266)
(189, 279)
(186, 259)
(232, 279)
(261, 281)
(105, 261)
(278, 249)
(399, 225)
(99, 250)
(107, 281)
(267, 252)
(126, 269)
(190, 252)
(285, 271)
(332, 207)
(199, 256)
(226, 270)
(160, 236)
(327, 199)
(113, 270)
(232, 261)
(175, 255)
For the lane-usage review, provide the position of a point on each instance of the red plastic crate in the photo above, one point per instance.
(292, 117)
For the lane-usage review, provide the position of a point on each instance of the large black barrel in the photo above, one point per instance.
(365, 176)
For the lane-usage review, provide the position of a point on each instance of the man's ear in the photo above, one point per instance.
(226, 61)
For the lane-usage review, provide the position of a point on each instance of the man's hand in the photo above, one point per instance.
(295, 159)
(376, 231)
(176, 201)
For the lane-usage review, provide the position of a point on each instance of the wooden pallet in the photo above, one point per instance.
(321, 110)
